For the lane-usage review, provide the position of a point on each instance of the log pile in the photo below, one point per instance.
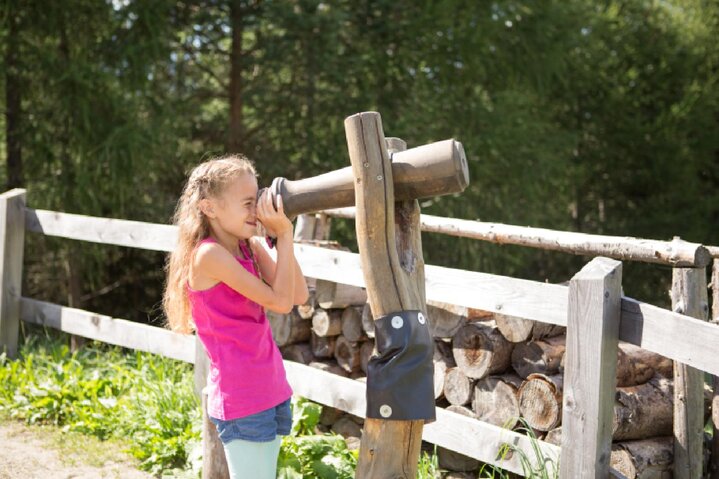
(503, 370)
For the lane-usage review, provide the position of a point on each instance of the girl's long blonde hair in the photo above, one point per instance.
(207, 180)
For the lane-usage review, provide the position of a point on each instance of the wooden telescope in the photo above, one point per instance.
(434, 169)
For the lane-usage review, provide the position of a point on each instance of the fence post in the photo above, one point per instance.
(12, 238)
(689, 297)
(214, 464)
(714, 464)
(590, 369)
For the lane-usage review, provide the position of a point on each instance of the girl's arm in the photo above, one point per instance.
(267, 267)
(213, 261)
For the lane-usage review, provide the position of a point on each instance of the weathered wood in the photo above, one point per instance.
(442, 360)
(541, 356)
(643, 411)
(347, 354)
(299, 353)
(453, 461)
(331, 295)
(322, 346)
(617, 247)
(12, 247)
(327, 322)
(429, 170)
(330, 415)
(540, 401)
(637, 366)
(517, 330)
(451, 430)
(495, 400)
(463, 410)
(329, 365)
(479, 349)
(214, 464)
(307, 310)
(644, 459)
(366, 351)
(595, 295)
(689, 296)
(445, 319)
(128, 334)
(352, 324)
(201, 367)
(288, 328)
(393, 267)
(458, 387)
(367, 321)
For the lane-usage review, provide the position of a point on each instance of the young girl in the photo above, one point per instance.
(219, 280)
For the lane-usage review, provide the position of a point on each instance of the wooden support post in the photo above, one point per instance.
(689, 297)
(214, 464)
(714, 463)
(590, 369)
(389, 241)
(12, 238)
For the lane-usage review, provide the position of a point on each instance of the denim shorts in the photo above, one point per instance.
(262, 426)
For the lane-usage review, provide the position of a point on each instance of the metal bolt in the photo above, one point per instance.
(366, 165)
(379, 177)
(420, 318)
(385, 410)
(397, 322)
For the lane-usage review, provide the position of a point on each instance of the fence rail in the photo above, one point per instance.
(677, 336)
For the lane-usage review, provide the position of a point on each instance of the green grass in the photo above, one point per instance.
(144, 405)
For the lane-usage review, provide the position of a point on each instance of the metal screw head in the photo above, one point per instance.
(420, 318)
(366, 164)
(397, 322)
(385, 410)
(379, 177)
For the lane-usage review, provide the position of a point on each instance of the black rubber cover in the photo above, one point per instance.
(400, 380)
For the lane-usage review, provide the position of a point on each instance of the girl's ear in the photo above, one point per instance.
(207, 208)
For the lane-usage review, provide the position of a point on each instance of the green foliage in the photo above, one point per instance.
(109, 393)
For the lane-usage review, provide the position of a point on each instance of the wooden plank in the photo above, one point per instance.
(617, 247)
(689, 296)
(12, 239)
(120, 332)
(590, 369)
(714, 457)
(135, 234)
(465, 435)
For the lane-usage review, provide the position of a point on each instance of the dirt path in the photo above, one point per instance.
(30, 452)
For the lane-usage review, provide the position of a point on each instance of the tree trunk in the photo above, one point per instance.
(479, 349)
(367, 321)
(235, 130)
(643, 411)
(347, 354)
(644, 459)
(352, 324)
(457, 387)
(288, 328)
(442, 360)
(329, 365)
(540, 357)
(517, 330)
(496, 400)
(322, 346)
(327, 323)
(13, 101)
(299, 353)
(540, 401)
(366, 350)
(331, 295)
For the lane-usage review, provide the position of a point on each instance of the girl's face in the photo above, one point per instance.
(235, 211)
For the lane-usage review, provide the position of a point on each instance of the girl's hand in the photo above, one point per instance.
(275, 222)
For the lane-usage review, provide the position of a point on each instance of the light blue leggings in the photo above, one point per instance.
(252, 460)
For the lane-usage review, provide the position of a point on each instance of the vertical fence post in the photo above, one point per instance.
(12, 238)
(214, 464)
(714, 464)
(590, 369)
(689, 297)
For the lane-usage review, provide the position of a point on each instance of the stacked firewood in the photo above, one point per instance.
(502, 370)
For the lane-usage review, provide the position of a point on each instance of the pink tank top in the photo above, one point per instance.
(246, 373)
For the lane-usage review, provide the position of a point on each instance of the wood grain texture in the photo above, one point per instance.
(590, 369)
(689, 296)
(12, 246)
(390, 247)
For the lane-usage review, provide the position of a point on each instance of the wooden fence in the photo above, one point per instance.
(591, 306)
